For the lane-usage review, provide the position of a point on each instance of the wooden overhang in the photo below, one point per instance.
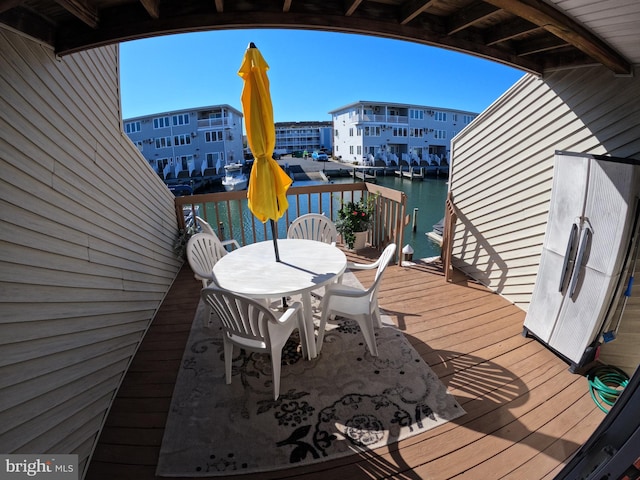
(530, 35)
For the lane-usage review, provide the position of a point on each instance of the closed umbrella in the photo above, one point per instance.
(268, 183)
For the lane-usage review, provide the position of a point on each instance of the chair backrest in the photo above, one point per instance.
(313, 226)
(383, 261)
(245, 321)
(205, 227)
(203, 251)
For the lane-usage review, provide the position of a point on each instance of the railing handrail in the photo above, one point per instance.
(388, 226)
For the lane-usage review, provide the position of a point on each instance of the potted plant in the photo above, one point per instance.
(353, 218)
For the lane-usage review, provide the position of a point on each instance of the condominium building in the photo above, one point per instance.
(188, 143)
(299, 136)
(364, 132)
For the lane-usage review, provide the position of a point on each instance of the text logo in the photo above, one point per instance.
(40, 467)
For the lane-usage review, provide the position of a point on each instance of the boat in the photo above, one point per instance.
(234, 179)
(436, 234)
(180, 190)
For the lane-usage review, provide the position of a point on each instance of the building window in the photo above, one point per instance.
(467, 118)
(140, 145)
(351, 149)
(213, 136)
(359, 150)
(372, 131)
(182, 119)
(416, 114)
(184, 139)
(160, 122)
(163, 142)
(440, 134)
(132, 127)
(351, 132)
(416, 132)
(400, 131)
(441, 116)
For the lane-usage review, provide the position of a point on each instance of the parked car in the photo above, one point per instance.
(320, 156)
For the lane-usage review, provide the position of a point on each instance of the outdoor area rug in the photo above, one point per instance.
(342, 402)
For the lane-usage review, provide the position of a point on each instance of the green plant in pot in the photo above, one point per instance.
(355, 217)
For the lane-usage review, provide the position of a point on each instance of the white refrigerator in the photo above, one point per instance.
(593, 204)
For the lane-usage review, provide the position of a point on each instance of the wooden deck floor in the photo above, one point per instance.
(526, 413)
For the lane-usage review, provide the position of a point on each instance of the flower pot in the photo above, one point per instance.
(361, 238)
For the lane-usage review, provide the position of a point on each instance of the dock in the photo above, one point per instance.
(364, 176)
(412, 173)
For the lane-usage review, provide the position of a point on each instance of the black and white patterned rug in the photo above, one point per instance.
(342, 402)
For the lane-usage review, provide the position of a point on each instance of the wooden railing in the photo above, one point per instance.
(229, 215)
(450, 219)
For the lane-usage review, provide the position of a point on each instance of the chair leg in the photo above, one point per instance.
(304, 335)
(276, 362)
(228, 359)
(366, 325)
(378, 318)
(323, 323)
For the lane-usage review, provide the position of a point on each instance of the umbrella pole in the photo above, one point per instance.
(274, 234)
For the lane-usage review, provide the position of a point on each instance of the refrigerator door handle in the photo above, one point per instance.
(569, 257)
(585, 239)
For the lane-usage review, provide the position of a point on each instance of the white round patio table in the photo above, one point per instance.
(304, 265)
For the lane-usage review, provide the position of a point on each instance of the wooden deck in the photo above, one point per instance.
(526, 413)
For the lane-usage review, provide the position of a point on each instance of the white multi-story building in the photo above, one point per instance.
(300, 136)
(189, 143)
(365, 132)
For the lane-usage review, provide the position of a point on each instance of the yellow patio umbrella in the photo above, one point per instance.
(268, 183)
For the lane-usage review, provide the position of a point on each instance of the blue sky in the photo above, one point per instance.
(310, 73)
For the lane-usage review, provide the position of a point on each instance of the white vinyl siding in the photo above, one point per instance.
(86, 246)
(502, 168)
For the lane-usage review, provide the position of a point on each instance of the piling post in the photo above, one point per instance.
(414, 224)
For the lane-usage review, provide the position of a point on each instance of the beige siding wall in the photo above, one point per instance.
(86, 240)
(502, 170)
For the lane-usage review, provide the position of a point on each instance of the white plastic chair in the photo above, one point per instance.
(203, 251)
(249, 324)
(313, 226)
(206, 228)
(356, 303)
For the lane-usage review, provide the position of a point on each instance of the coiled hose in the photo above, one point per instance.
(606, 383)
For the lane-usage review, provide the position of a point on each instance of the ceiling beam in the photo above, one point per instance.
(152, 7)
(510, 31)
(351, 6)
(475, 13)
(412, 9)
(555, 22)
(540, 45)
(82, 10)
(219, 6)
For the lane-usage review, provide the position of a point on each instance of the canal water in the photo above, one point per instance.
(426, 196)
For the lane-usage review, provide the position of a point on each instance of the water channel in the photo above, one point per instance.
(427, 196)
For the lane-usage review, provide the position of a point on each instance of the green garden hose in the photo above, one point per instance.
(606, 383)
